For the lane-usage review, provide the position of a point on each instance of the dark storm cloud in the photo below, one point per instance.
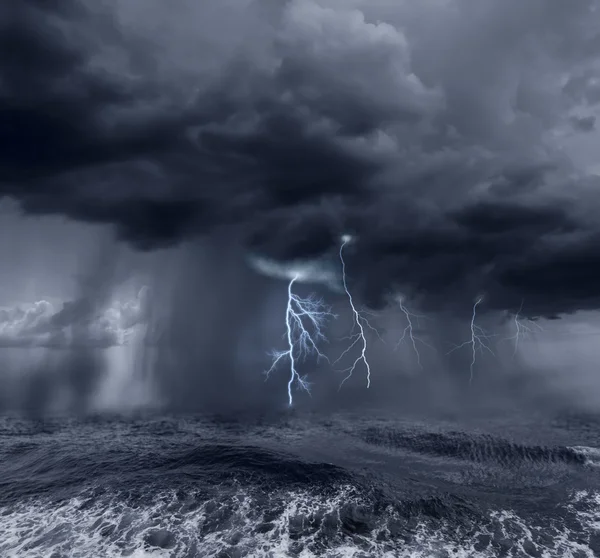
(426, 129)
(511, 254)
(70, 139)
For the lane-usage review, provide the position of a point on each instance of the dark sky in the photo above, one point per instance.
(455, 141)
(429, 130)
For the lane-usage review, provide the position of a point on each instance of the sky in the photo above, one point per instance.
(160, 165)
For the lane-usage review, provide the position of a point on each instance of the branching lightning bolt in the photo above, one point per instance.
(478, 339)
(521, 328)
(359, 321)
(409, 332)
(300, 341)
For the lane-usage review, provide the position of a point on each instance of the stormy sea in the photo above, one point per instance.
(293, 484)
(389, 209)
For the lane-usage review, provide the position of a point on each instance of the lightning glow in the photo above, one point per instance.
(478, 341)
(408, 331)
(522, 328)
(301, 343)
(360, 322)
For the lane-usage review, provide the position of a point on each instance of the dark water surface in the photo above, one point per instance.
(299, 485)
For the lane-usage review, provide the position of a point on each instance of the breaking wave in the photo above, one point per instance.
(234, 521)
(200, 488)
(590, 456)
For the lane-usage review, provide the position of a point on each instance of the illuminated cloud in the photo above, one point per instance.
(316, 271)
(43, 324)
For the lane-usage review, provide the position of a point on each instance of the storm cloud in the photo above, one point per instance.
(430, 131)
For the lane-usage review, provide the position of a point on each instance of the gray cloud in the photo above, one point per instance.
(584, 123)
(73, 324)
(585, 87)
(426, 129)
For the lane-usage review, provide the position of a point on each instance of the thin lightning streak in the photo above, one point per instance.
(368, 324)
(300, 342)
(477, 341)
(408, 330)
(521, 329)
(359, 321)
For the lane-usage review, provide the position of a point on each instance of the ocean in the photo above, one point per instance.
(300, 485)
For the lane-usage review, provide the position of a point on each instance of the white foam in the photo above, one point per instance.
(591, 454)
(302, 524)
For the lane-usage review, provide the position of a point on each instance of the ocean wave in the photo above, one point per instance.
(590, 455)
(240, 459)
(238, 521)
(473, 448)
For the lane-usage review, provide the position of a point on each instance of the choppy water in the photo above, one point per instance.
(343, 486)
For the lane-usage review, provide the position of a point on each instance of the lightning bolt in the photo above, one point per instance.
(408, 331)
(521, 328)
(300, 341)
(478, 339)
(360, 322)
